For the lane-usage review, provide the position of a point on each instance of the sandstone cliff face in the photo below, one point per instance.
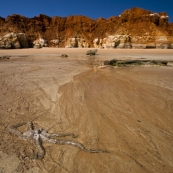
(144, 29)
(40, 43)
(14, 40)
(76, 42)
(116, 41)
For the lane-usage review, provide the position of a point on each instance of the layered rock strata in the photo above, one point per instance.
(134, 28)
(116, 41)
(76, 42)
(159, 42)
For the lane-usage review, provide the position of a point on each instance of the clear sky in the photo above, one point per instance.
(90, 8)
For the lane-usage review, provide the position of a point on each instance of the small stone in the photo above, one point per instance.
(64, 56)
(91, 52)
(9, 110)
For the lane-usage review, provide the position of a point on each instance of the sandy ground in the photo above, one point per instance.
(104, 54)
(125, 111)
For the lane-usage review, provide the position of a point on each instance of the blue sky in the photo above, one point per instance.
(90, 8)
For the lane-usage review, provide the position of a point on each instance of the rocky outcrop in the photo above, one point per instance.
(159, 42)
(14, 40)
(76, 42)
(39, 43)
(116, 41)
(135, 42)
(124, 63)
(145, 28)
(64, 56)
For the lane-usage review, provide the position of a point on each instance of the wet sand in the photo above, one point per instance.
(125, 111)
(102, 53)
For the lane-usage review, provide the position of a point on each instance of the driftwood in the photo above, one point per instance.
(39, 136)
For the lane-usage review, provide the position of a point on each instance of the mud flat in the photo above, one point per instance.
(126, 111)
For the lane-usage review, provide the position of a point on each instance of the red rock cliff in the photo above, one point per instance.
(133, 22)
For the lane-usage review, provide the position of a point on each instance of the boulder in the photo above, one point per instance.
(40, 43)
(64, 56)
(91, 52)
(14, 41)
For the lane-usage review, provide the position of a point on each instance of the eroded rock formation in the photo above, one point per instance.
(116, 41)
(144, 28)
(14, 40)
(76, 42)
(39, 43)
